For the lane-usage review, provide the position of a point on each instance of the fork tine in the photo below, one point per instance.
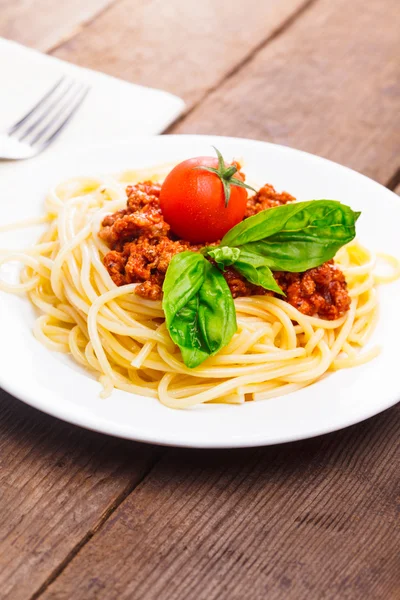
(42, 100)
(46, 114)
(66, 117)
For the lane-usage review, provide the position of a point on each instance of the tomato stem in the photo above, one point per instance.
(226, 175)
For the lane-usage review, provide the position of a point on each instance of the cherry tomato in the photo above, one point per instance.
(193, 200)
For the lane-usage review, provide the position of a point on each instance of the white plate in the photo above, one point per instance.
(54, 384)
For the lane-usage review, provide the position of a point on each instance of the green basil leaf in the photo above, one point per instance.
(198, 306)
(184, 277)
(217, 314)
(293, 256)
(184, 331)
(254, 267)
(322, 220)
(224, 256)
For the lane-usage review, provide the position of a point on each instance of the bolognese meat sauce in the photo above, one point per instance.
(142, 246)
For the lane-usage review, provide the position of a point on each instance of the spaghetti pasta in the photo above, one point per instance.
(123, 338)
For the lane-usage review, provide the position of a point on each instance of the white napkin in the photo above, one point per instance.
(113, 109)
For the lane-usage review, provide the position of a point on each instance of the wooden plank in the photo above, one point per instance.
(307, 520)
(42, 24)
(329, 85)
(184, 46)
(58, 484)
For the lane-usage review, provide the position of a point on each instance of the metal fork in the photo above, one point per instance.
(44, 122)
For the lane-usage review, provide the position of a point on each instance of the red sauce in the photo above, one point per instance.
(141, 247)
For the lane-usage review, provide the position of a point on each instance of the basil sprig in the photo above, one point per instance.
(293, 237)
(254, 267)
(198, 306)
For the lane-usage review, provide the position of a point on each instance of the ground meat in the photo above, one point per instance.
(266, 197)
(148, 262)
(115, 263)
(321, 291)
(142, 217)
(239, 286)
(142, 246)
(144, 261)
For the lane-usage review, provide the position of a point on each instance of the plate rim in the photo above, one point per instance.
(62, 412)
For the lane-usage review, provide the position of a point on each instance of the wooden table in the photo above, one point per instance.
(85, 516)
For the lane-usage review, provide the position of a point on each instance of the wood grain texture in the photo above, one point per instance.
(315, 519)
(57, 485)
(330, 84)
(183, 46)
(42, 24)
